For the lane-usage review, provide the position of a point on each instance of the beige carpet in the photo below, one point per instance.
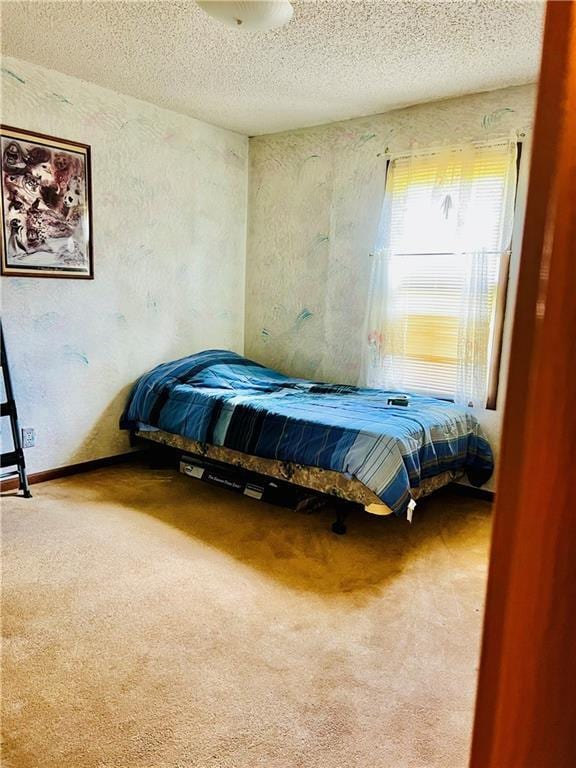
(153, 621)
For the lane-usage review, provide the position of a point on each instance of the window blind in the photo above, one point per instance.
(445, 216)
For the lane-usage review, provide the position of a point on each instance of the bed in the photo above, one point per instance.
(340, 440)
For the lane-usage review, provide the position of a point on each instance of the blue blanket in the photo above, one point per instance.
(221, 398)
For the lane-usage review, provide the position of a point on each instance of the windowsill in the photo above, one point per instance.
(490, 406)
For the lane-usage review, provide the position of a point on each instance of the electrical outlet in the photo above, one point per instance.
(28, 437)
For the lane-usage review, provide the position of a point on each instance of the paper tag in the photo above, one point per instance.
(410, 511)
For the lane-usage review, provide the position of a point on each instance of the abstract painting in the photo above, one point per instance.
(46, 206)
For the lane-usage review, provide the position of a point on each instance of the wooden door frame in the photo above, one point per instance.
(526, 701)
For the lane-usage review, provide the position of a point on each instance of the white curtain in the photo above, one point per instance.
(444, 237)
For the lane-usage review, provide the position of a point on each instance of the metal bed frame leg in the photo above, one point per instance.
(339, 525)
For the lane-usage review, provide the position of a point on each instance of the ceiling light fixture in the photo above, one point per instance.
(249, 15)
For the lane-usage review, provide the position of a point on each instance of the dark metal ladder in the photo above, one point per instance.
(15, 457)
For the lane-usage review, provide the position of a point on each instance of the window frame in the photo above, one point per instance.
(497, 339)
(500, 310)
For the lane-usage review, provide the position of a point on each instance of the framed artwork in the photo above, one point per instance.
(46, 206)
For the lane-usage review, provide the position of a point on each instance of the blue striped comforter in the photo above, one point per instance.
(222, 398)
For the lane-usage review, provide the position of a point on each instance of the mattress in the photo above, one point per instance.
(221, 399)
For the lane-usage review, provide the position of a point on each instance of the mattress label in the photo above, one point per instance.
(191, 470)
(254, 491)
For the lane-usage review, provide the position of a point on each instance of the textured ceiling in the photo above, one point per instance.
(337, 59)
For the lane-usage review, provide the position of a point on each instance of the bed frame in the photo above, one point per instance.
(321, 484)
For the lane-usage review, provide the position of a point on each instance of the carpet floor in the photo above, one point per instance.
(153, 621)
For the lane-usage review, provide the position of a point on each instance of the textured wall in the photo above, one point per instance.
(169, 204)
(314, 202)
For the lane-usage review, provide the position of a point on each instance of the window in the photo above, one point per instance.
(435, 317)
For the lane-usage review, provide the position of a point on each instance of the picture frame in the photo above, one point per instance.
(46, 206)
